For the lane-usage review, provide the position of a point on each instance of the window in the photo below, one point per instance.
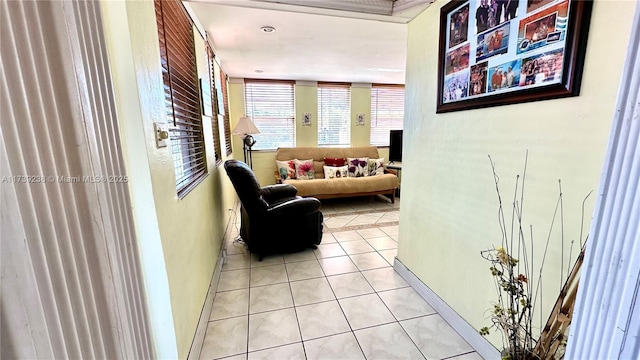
(214, 104)
(271, 106)
(182, 95)
(334, 114)
(227, 122)
(387, 112)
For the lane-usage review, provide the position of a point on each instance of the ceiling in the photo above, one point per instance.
(361, 41)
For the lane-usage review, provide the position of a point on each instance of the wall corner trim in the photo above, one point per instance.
(471, 335)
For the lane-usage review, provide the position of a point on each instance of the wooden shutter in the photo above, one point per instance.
(271, 106)
(227, 122)
(214, 105)
(387, 112)
(334, 114)
(182, 96)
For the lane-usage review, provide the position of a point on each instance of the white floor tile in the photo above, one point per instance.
(327, 238)
(405, 303)
(336, 347)
(304, 270)
(356, 247)
(384, 279)
(225, 338)
(237, 261)
(435, 338)
(389, 255)
(469, 356)
(230, 304)
(365, 310)
(270, 297)
(370, 233)
(387, 342)
(350, 235)
(311, 291)
(322, 319)
(337, 265)
(267, 275)
(390, 230)
(286, 352)
(300, 256)
(383, 243)
(266, 261)
(352, 284)
(368, 261)
(233, 279)
(273, 328)
(329, 250)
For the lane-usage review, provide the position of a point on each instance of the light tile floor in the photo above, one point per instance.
(341, 301)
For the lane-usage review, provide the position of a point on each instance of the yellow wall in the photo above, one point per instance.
(360, 104)
(449, 203)
(192, 228)
(306, 98)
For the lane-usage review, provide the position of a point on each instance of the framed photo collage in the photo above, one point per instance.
(498, 52)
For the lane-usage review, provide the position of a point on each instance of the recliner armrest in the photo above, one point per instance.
(298, 207)
(273, 193)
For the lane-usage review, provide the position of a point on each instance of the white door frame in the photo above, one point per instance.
(607, 315)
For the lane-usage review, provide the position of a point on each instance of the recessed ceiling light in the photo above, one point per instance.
(268, 29)
(259, 71)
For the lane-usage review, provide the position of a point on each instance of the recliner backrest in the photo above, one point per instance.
(246, 185)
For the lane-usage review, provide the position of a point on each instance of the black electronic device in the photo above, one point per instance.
(395, 145)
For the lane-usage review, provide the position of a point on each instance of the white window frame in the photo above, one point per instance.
(387, 112)
(271, 105)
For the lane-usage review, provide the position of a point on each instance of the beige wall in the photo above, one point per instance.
(306, 98)
(449, 203)
(191, 229)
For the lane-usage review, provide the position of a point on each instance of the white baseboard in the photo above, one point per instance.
(471, 335)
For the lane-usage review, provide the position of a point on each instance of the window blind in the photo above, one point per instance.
(334, 114)
(271, 106)
(214, 103)
(387, 112)
(226, 122)
(182, 95)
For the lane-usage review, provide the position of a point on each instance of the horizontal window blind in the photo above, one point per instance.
(227, 122)
(387, 112)
(271, 106)
(182, 95)
(214, 99)
(334, 115)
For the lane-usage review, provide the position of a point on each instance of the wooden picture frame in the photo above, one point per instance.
(499, 52)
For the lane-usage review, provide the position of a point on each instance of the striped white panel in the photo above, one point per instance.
(75, 266)
(605, 326)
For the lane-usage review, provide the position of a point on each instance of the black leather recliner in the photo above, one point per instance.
(274, 219)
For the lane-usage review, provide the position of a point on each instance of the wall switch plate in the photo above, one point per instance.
(161, 131)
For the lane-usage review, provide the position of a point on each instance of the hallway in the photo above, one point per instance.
(341, 301)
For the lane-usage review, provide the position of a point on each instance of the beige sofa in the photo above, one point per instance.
(322, 188)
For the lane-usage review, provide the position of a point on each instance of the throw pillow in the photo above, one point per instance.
(334, 161)
(286, 169)
(376, 167)
(358, 167)
(335, 172)
(304, 169)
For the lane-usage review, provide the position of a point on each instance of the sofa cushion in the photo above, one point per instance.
(376, 167)
(334, 161)
(286, 169)
(348, 185)
(358, 167)
(304, 169)
(333, 172)
(318, 155)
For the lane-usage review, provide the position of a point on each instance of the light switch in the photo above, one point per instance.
(161, 130)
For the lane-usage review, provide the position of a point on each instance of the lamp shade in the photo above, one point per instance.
(245, 126)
